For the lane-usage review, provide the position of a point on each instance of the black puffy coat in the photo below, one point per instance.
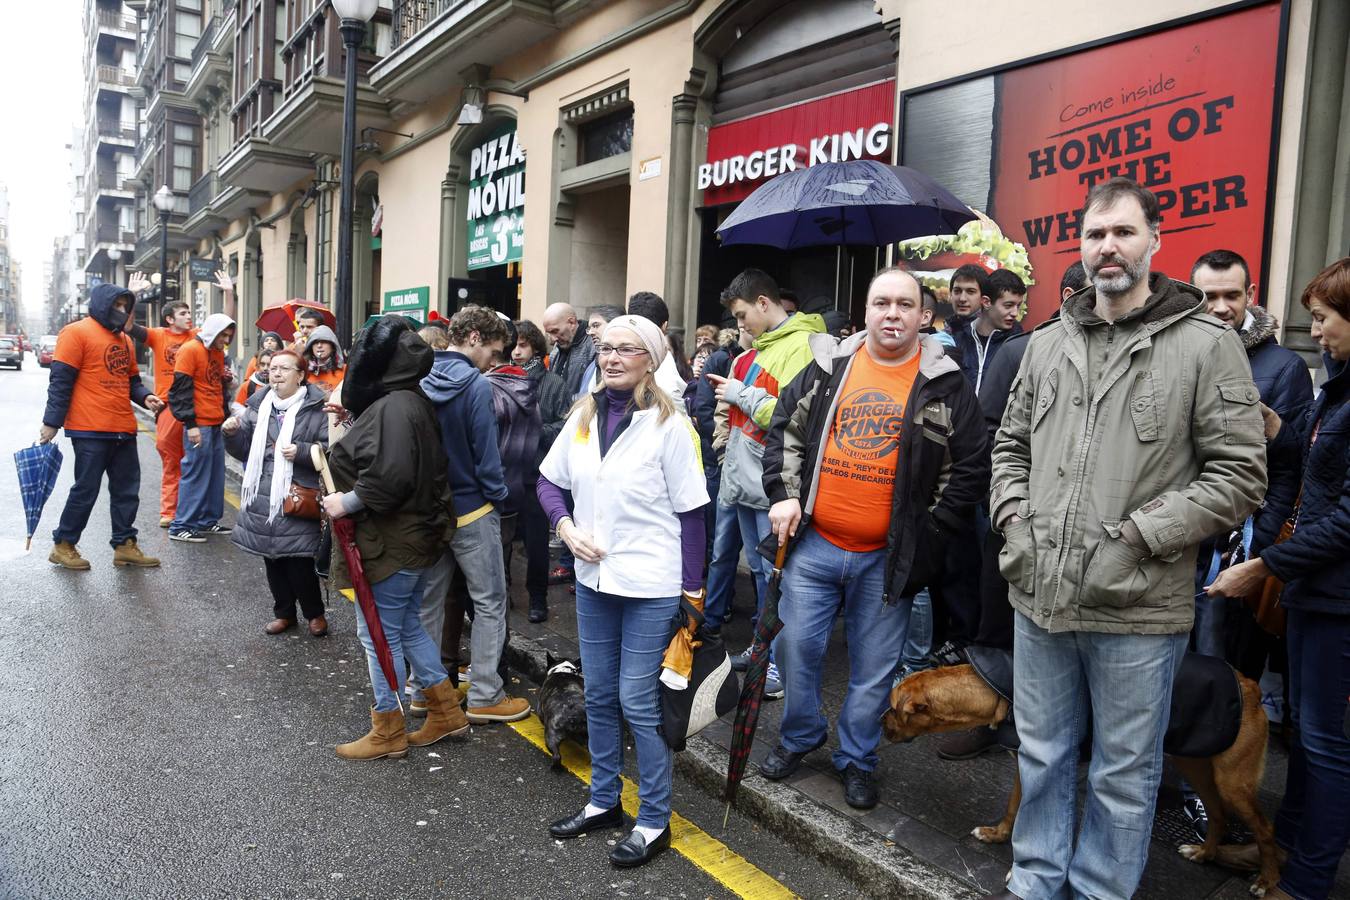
(1313, 563)
(284, 535)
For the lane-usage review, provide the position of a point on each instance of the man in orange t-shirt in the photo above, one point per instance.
(164, 344)
(94, 380)
(199, 400)
(874, 459)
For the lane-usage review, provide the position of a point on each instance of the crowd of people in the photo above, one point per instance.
(1099, 496)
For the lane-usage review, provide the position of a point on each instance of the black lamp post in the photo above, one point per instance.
(163, 201)
(354, 15)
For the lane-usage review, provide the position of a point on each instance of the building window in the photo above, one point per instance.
(185, 152)
(323, 235)
(188, 28)
(607, 136)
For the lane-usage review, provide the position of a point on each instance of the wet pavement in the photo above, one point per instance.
(154, 742)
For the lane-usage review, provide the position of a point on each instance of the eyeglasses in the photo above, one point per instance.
(627, 351)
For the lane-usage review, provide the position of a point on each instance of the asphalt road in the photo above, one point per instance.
(154, 742)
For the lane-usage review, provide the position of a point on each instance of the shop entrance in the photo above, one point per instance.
(496, 287)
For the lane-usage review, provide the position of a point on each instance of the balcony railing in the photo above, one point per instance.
(106, 233)
(115, 20)
(202, 193)
(116, 76)
(114, 129)
(204, 42)
(411, 16)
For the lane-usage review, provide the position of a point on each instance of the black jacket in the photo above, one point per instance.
(515, 404)
(968, 347)
(1314, 563)
(570, 364)
(943, 474)
(554, 404)
(392, 457)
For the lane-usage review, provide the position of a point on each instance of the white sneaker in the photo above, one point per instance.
(773, 684)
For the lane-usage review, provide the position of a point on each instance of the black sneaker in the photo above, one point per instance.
(860, 791)
(741, 661)
(949, 654)
(780, 762)
(187, 535)
(217, 529)
(1193, 808)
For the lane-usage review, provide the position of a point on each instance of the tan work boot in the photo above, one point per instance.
(386, 737)
(65, 554)
(444, 716)
(508, 709)
(128, 554)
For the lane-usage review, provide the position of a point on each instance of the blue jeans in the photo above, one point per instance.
(1127, 678)
(1312, 823)
(201, 491)
(623, 640)
(115, 455)
(919, 635)
(819, 576)
(398, 599)
(726, 554)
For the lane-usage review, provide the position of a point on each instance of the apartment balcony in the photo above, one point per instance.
(211, 61)
(435, 40)
(110, 185)
(115, 133)
(213, 203)
(257, 165)
(111, 79)
(309, 117)
(115, 24)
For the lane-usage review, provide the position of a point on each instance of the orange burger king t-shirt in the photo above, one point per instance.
(164, 344)
(857, 470)
(105, 364)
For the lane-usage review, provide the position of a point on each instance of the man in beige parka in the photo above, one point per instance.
(1133, 430)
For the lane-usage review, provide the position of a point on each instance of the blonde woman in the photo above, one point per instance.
(631, 461)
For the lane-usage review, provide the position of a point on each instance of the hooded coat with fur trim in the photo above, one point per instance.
(1151, 418)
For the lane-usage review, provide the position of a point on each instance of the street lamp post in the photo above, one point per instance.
(354, 15)
(163, 201)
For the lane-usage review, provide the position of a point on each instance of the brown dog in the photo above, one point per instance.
(955, 698)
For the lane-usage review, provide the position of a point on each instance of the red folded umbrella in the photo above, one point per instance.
(281, 317)
(344, 533)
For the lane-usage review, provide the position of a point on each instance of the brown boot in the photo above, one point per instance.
(387, 737)
(65, 554)
(128, 554)
(445, 718)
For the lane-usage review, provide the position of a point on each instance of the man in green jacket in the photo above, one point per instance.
(746, 400)
(1133, 431)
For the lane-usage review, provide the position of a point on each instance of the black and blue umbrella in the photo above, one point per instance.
(857, 203)
(38, 467)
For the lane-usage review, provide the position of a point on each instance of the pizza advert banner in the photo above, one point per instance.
(1188, 112)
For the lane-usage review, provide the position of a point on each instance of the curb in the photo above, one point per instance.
(878, 867)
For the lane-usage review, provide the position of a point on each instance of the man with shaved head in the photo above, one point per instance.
(572, 347)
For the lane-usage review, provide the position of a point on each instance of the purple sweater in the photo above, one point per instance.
(693, 530)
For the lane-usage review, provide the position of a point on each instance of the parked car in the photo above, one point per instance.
(11, 351)
(46, 350)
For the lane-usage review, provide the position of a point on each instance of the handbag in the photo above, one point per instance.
(713, 691)
(300, 502)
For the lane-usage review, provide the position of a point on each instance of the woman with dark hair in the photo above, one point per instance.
(631, 462)
(389, 470)
(1313, 826)
(529, 353)
(272, 436)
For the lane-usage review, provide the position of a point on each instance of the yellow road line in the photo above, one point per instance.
(736, 873)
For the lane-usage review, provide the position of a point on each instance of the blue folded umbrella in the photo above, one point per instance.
(38, 467)
(857, 203)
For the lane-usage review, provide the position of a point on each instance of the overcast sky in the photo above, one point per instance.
(42, 101)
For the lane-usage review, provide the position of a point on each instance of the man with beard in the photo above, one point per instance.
(1133, 431)
(572, 346)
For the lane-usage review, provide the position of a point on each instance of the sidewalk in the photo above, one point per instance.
(917, 842)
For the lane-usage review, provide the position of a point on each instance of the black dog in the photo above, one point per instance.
(562, 707)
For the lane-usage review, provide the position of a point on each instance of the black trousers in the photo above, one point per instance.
(116, 456)
(292, 579)
(996, 614)
(533, 526)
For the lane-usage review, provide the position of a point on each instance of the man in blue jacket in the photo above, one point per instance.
(463, 399)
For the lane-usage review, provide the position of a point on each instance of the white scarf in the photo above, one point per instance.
(282, 469)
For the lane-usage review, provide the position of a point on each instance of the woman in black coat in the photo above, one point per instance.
(273, 437)
(1313, 825)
